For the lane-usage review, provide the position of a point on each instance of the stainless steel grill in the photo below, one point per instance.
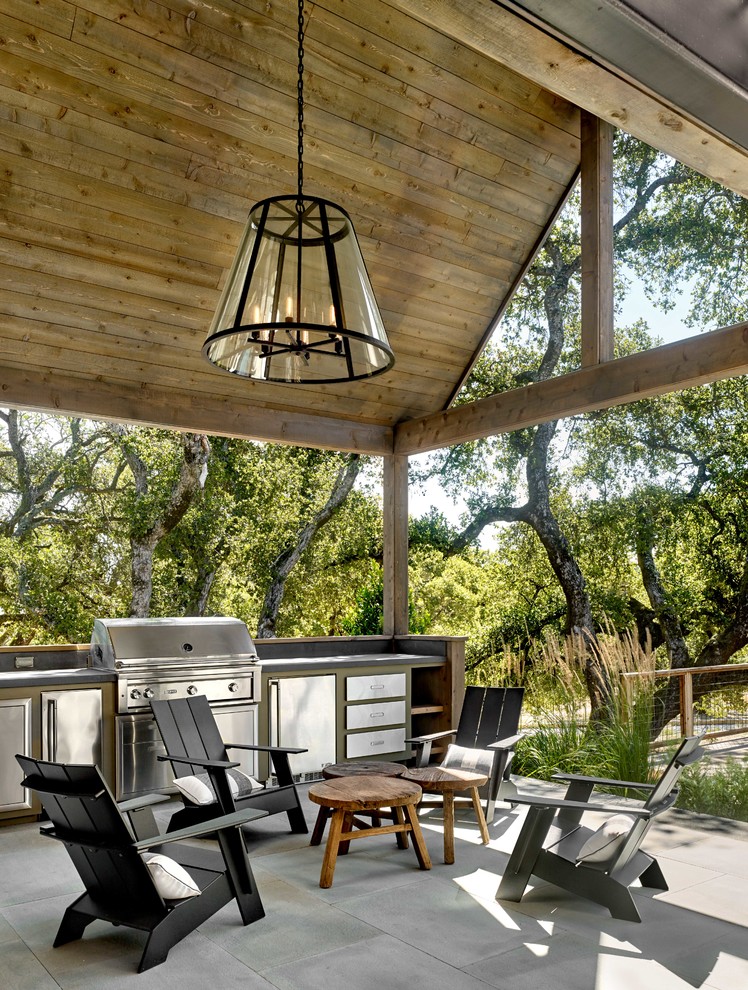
(157, 659)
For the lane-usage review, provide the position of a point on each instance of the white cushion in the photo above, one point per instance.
(474, 760)
(601, 845)
(172, 881)
(199, 790)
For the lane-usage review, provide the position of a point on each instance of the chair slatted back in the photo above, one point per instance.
(664, 794)
(188, 728)
(98, 837)
(488, 714)
(662, 797)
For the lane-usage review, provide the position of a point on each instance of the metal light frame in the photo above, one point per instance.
(298, 305)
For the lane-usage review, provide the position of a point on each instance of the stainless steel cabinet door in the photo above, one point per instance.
(71, 726)
(239, 725)
(302, 714)
(15, 737)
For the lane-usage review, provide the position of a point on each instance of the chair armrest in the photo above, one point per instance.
(430, 737)
(265, 749)
(234, 820)
(144, 801)
(604, 781)
(506, 743)
(561, 803)
(196, 761)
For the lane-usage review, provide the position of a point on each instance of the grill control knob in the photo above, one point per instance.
(191, 689)
(233, 687)
(148, 693)
(135, 694)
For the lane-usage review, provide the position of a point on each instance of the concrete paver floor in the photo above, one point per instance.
(386, 924)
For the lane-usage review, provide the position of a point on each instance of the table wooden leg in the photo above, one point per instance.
(478, 808)
(402, 836)
(345, 845)
(449, 827)
(419, 843)
(319, 826)
(331, 849)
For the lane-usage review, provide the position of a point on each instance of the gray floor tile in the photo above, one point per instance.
(21, 970)
(371, 865)
(720, 853)
(566, 961)
(383, 963)
(721, 897)
(439, 918)
(108, 957)
(725, 967)
(38, 873)
(296, 925)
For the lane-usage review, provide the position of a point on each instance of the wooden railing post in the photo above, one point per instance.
(686, 704)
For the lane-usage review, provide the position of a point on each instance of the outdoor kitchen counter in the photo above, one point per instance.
(310, 664)
(44, 678)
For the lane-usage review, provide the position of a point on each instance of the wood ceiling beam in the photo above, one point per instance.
(496, 32)
(683, 364)
(69, 395)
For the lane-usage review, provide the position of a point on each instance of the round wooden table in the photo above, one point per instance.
(364, 768)
(357, 793)
(380, 768)
(446, 781)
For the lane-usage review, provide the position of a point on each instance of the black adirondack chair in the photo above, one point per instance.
(485, 740)
(105, 841)
(193, 743)
(599, 864)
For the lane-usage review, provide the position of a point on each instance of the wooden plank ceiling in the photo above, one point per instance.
(136, 135)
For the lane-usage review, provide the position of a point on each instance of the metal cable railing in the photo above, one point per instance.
(708, 700)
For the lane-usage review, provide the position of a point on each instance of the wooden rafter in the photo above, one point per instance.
(683, 364)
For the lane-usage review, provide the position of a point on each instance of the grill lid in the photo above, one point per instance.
(118, 643)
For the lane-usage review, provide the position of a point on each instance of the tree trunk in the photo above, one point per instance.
(289, 557)
(195, 455)
(579, 619)
(718, 650)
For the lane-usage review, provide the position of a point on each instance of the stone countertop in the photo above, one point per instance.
(52, 678)
(309, 665)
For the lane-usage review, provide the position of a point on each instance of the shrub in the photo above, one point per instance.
(720, 791)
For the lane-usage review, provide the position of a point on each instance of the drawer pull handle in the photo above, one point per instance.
(377, 715)
(376, 687)
(379, 743)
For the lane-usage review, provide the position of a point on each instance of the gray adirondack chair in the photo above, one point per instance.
(600, 864)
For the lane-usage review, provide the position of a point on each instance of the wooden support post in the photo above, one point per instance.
(395, 498)
(686, 704)
(597, 240)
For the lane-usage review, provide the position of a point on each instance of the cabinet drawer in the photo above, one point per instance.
(372, 716)
(375, 744)
(374, 686)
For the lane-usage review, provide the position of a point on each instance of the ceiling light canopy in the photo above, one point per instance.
(298, 305)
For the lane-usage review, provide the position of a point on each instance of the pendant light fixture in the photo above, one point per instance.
(298, 305)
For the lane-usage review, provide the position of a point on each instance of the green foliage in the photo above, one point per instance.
(560, 736)
(716, 790)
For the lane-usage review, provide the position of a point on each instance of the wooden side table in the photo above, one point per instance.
(446, 781)
(364, 768)
(358, 793)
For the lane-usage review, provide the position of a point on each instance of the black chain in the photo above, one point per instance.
(300, 90)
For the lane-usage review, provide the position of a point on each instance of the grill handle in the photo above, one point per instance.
(51, 740)
(274, 712)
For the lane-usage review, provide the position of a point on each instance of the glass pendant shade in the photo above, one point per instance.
(298, 305)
